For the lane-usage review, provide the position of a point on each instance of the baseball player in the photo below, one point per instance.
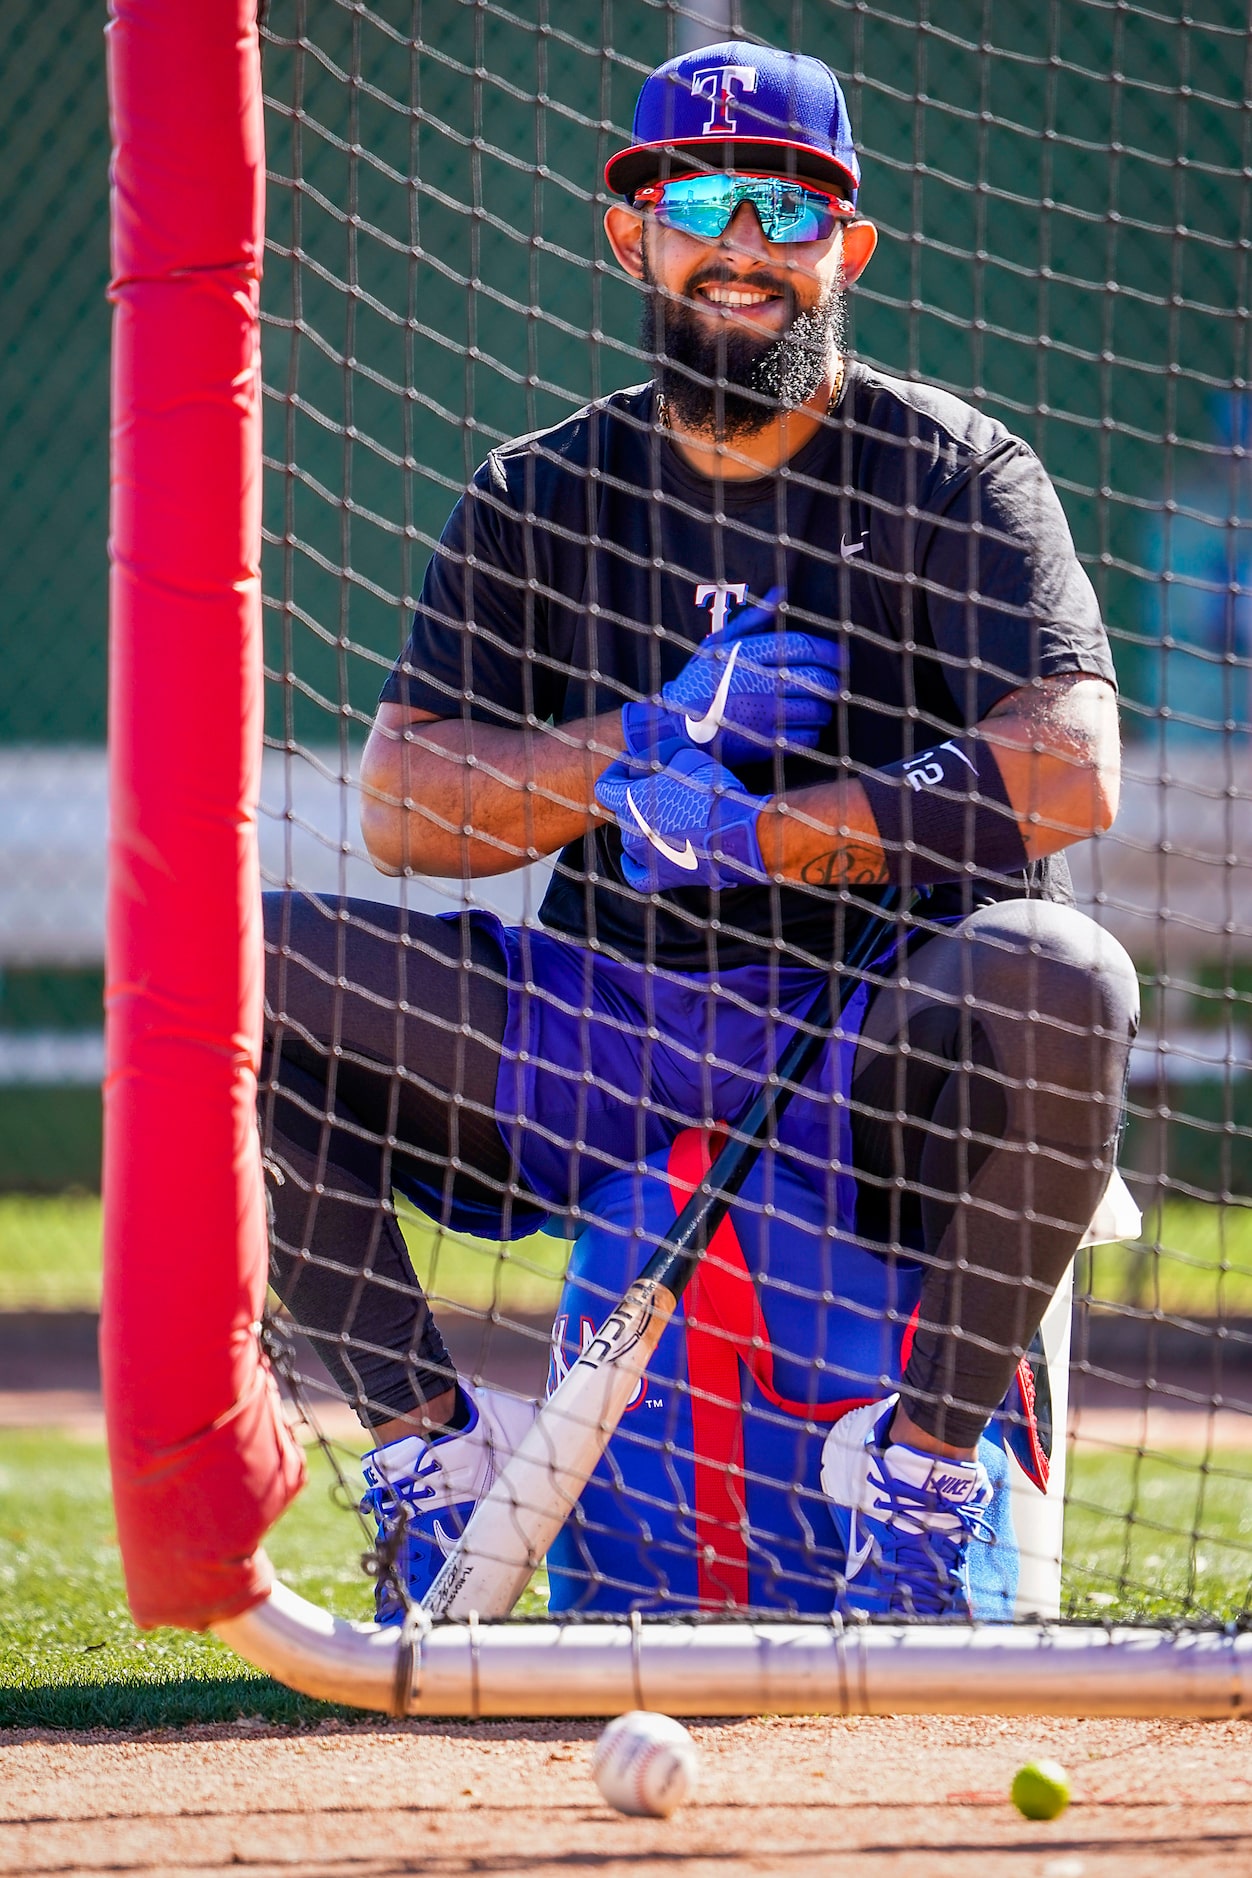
(759, 650)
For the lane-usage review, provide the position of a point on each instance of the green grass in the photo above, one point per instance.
(1194, 1260)
(49, 1252)
(521, 1277)
(1161, 1535)
(70, 1656)
(1157, 1537)
(50, 1260)
(1165, 1535)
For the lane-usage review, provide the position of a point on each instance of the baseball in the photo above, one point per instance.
(645, 1764)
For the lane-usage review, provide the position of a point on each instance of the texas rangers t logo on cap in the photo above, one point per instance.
(715, 83)
(743, 107)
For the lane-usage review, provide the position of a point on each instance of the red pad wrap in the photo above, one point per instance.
(202, 1463)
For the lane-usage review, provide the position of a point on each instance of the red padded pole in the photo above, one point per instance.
(202, 1462)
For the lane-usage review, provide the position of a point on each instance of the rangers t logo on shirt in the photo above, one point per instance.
(714, 83)
(718, 594)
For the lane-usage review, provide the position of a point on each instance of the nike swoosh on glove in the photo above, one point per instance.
(691, 824)
(745, 691)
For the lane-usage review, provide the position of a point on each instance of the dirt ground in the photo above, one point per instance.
(875, 1798)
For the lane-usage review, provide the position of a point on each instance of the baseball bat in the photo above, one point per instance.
(516, 1521)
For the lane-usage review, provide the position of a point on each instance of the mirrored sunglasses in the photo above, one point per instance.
(705, 205)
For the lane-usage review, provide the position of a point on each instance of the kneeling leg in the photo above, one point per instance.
(987, 1100)
(382, 1045)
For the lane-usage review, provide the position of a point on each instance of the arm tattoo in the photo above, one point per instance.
(844, 866)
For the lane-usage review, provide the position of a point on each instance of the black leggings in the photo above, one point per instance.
(352, 989)
(986, 1101)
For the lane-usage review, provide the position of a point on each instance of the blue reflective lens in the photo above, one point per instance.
(704, 206)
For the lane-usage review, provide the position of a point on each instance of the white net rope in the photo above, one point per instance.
(1063, 204)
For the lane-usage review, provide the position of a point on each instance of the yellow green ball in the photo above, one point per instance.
(1041, 1790)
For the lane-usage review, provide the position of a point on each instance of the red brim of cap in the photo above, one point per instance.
(643, 162)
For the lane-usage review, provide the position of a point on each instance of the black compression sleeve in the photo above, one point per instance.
(944, 813)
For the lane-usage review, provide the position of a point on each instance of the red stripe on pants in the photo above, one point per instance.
(725, 1327)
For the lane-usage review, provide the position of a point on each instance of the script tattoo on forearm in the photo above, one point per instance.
(844, 866)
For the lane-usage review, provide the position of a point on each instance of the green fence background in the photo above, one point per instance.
(1143, 174)
(54, 371)
(1146, 325)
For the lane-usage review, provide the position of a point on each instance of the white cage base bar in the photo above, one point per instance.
(745, 1668)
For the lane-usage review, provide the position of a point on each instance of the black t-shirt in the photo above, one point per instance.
(584, 563)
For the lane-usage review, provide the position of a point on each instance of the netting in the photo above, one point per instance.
(480, 1118)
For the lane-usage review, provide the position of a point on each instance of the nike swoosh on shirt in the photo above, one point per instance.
(857, 1555)
(848, 548)
(704, 729)
(681, 857)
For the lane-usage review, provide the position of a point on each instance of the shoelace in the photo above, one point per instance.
(928, 1574)
(928, 1562)
(385, 1561)
(392, 1505)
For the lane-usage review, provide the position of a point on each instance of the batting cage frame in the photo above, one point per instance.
(202, 1458)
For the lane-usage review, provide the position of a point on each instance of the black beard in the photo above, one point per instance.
(761, 378)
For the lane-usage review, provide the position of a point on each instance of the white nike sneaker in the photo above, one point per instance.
(906, 1518)
(421, 1493)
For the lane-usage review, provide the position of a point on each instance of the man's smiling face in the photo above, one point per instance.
(741, 277)
(766, 319)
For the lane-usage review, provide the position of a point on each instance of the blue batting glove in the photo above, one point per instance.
(691, 824)
(751, 688)
(653, 734)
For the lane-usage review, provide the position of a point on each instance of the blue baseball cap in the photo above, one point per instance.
(735, 106)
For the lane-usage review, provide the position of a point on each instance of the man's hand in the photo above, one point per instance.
(690, 824)
(745, 691)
